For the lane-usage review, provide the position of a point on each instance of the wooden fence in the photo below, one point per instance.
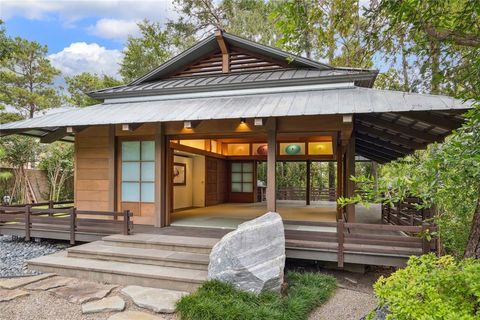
(65, 220)
(406, 213)
(316, 194)
(51, 204)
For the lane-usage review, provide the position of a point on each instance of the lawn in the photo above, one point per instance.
(215, 300)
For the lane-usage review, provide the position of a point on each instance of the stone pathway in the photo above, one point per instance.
(157, 300)
(48, 296)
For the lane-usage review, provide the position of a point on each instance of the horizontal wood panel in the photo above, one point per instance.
(94, 163)
(88, 142)
(97, 131)
(92, 174)
(92, 205)
(93, 195)
(94, 185)
(92, 153)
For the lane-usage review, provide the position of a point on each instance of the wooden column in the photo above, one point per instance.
(271, 163)
(349, 185)
(112, 177)
(307, 193)
(160, 177)
(339, 178)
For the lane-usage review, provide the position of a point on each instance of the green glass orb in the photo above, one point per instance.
(292, 149)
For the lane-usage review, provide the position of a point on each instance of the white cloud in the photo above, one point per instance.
(115, 29)
(73, 10)
(87, 57)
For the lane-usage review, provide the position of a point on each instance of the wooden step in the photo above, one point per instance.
(162, 242)
(102, 251)
(122, 273)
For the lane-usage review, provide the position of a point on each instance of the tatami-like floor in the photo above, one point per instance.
(230, 215)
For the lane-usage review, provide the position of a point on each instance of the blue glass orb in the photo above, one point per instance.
(292, 149)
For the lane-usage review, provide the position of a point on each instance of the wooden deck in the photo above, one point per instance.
(341, 242)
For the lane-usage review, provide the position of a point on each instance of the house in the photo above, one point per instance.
(187, 138)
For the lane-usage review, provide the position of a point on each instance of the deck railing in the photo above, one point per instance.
(406, 213)
(68, 220)
(51, 204)
(316, 194)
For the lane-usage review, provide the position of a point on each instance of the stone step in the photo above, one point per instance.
(162, 242)
(122, 273)
(100, 250)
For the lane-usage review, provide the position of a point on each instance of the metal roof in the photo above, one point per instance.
(231, 81)
(388, 124)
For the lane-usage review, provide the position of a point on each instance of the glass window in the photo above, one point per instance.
(242, 177)
(130, 191)
(138, 171)
(131, 150)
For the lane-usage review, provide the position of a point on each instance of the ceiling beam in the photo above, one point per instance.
(371, 156)
(76, 129)
(391, 137)
(446, 123)
(377, 149)
(383, 143)
(224, 49)
(53, 136)
(405, 130)
(131, 126)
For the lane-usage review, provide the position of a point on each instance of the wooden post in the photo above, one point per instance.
(126, 222)
(339, 178)
(51, 205)
(350, 171)
(340, 237)
(425, 241)
(309, 163)
(73, 224)
(160, 177)
(28, 209)
(271, 163)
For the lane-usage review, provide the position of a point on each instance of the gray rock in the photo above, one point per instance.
(157, 300)
(252, 257)
(109, 304)
(381, 313)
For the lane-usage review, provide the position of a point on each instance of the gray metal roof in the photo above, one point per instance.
(243, 80)
(243, 103)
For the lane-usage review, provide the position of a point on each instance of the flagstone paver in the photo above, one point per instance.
(7, 295)
(109, 304)
(13, 283)
(133, 315)
(50, 283)
(158, 300)
(83, 292)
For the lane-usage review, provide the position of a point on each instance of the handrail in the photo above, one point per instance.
(57, 218)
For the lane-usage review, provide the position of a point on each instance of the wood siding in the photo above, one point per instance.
(94, 169)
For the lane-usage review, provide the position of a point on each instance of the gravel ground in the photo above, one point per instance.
(345, 305)
(14, 252)
(42, 305)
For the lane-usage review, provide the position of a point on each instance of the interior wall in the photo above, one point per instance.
(198, 180)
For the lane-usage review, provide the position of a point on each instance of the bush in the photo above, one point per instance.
(216, 300)
(432, 288)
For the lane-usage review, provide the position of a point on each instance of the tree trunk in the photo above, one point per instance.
(473, 246)
(435, 67)
(331, 175)
(406, 82)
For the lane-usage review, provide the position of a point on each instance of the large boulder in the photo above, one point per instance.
(253, 256)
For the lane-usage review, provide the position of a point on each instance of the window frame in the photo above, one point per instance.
(242, 172)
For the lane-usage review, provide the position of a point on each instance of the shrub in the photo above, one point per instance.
(216, 300)
(432, 288)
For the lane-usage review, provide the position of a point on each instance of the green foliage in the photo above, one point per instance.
(216, 300)
(432, 288)
(26, 78)
(79, 85)
(155, 46)
(58, 161)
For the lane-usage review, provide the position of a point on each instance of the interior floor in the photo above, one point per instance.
(230, 215)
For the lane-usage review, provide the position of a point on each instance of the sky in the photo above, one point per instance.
(82, 35)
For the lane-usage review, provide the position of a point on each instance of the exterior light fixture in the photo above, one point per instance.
(258, 122)
(187, 124)
(243, 120)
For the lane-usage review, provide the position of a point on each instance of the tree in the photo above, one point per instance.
(79, 85)
(5, 43)
(57, 161)
(26, 78)
(155, 45)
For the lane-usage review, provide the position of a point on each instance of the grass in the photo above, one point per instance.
(216, 300)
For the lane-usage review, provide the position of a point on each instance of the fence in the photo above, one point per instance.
(406, 213)
(65, 220)
(316, 194)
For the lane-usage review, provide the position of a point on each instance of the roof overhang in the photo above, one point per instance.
(388, 124)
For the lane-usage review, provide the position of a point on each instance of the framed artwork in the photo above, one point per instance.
(179, 174)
